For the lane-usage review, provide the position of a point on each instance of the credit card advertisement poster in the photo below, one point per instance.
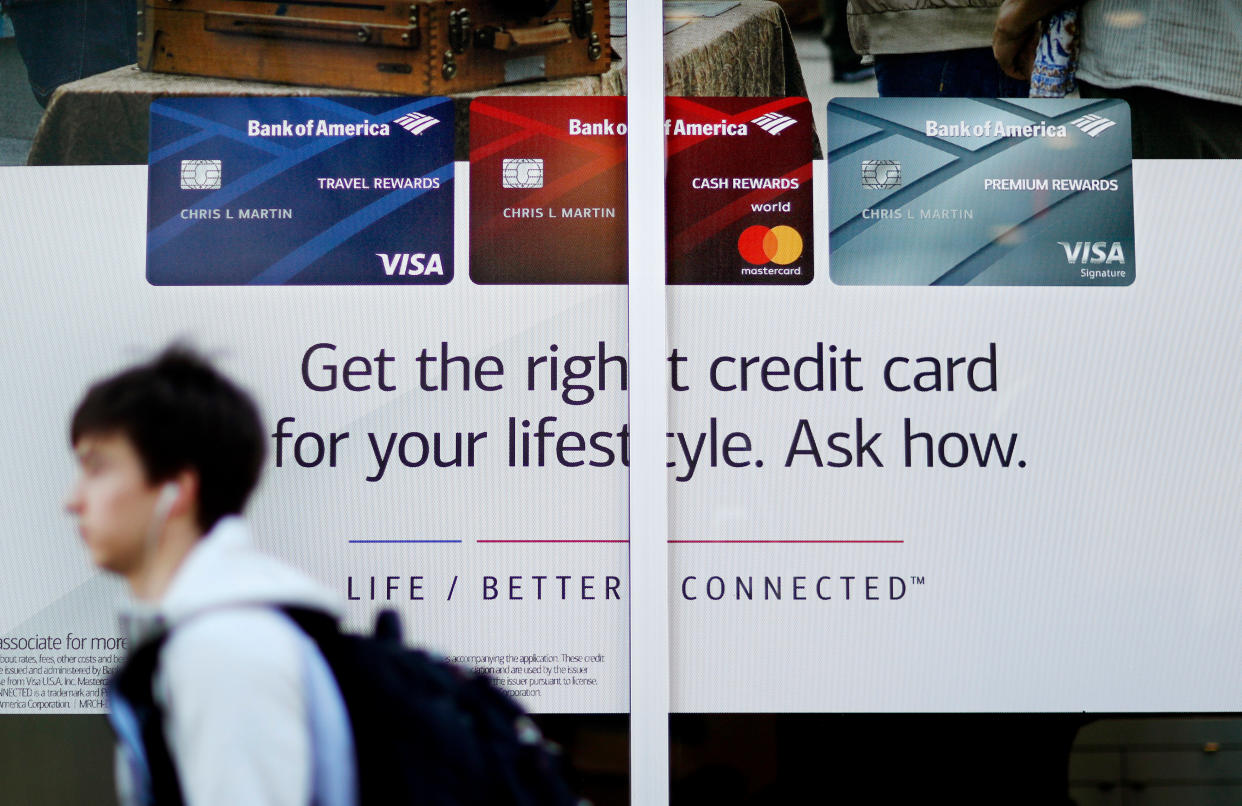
(904, 493)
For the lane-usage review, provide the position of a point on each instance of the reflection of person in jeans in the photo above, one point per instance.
(847, 66)
(64, 40)
(930, 48)
(1178, 64)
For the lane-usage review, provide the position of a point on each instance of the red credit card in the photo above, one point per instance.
(739, 191)
(547, 190)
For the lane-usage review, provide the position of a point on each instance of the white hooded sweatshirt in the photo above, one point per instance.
(252, 715)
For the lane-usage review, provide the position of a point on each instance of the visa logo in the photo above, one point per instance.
(411, 263)
(1088, 252)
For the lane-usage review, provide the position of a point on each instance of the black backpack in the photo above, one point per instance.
(426, 732)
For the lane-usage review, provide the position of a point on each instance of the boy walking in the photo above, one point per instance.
(224, 699)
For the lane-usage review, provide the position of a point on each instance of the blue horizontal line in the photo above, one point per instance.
(405, 541)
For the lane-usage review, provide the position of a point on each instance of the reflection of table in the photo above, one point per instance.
(744, 51)
(740, 49)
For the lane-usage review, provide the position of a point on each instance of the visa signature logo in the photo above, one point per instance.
(411, 263)
(1089, 252)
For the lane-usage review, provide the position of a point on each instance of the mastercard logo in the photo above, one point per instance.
(759, 245)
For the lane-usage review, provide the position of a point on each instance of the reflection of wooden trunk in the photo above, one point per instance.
(414, 48)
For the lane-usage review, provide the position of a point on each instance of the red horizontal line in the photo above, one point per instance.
(787, 541)
(552, 541)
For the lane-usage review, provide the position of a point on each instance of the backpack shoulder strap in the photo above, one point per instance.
(137, 716)
(138, 720)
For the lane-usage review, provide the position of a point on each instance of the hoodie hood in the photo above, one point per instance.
(225, 570)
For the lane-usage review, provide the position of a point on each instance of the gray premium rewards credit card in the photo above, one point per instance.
(957, 191)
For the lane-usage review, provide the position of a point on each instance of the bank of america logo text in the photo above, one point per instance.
(773, 123)
(200, 174)
(416, 122)
(1093, 125)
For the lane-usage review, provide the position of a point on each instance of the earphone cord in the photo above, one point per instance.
(159, 519)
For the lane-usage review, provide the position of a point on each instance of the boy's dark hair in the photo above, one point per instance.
(180, 413)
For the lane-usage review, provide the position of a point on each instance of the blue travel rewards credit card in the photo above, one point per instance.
(956, 191)
(305, 191)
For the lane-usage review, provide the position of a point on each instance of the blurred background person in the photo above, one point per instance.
(847, 66)
(1178, 65)
(222, 698)
(932, 48)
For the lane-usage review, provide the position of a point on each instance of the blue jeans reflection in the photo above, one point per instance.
(64, 40)
(970, 73)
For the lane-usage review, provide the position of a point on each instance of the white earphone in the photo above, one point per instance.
(164, 504)
(159, 519)
(159, 515)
